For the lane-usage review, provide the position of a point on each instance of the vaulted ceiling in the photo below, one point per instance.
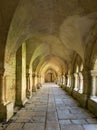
(54, 30)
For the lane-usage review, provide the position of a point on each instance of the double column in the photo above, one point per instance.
(5, 112)
(81, 82)
(28, 85)
(39, 82)
(94, 84)
(76, 84)
(2, 87)
(34, 82)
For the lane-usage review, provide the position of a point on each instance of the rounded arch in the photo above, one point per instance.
(52, 60)
(50, 75)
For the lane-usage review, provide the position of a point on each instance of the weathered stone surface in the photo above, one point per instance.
(52, 126)
(64, 122)
(79, 121)
(48, 114)
(33, 126)
(90, 127)
(38, 119)
(52, 116)
(72, 127)
(15, 126)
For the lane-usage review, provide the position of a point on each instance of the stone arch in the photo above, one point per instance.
(90, 47)
(50, 75)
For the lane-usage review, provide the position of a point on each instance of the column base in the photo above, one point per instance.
(34, 89)
(6, 111)
(38, 85)
(63, 87)
(21, 102)
(29, 94)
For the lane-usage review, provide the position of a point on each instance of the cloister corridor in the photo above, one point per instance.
(51, 108)
(48, 64)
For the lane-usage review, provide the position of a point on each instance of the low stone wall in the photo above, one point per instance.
(92, 106)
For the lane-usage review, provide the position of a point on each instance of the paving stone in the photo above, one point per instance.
(65, 115)
(63, 108)
(72, 127)
(52, 116)
(42, 113)
(76, 110)
(1, 127)
(22, 120)
(38, 119)
(90, 127)
(34, 126)
(52, 126)
(51, 108)
(64, 122)
(81, 121)
(15, 126)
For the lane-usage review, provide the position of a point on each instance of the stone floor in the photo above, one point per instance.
(51, 108)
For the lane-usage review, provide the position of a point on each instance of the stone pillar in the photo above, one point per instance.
(34, 87)
(63, 81)
(72, 82)
(93, 94)
(80, 82)
(2, 87)
(87, 83)
(28, 86)
(6, 107)
(94, 83)
(21, 98)
(86, 87)
(76, 82)
(68, 81)
(39, 82)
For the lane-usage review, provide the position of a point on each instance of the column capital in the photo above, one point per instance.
(75, 74)
(80, 75)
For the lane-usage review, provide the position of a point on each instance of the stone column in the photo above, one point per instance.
(68, 81)
(93, 94)
(80, 82)
(2, 87)
(76, 82)
(28, 86)
(63, 81)
(38, 82)
(86, 87)
(6, 107)
(34, 88)
(87, 83)
(72, 82)
(94, 83)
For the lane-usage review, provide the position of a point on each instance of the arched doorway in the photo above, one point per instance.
(50, 75)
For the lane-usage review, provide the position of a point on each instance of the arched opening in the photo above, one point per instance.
(50, 76)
